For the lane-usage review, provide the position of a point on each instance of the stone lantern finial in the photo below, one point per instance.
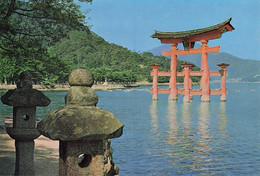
(81, 128)
(25, 81)
(81, 92)
(81, 77)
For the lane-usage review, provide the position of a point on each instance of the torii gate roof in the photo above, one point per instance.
(208, 33)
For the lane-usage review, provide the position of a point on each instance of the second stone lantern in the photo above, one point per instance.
(82, 129)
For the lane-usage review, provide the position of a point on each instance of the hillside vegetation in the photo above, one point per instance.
(85, 49)
(50, 38)
(108, 61)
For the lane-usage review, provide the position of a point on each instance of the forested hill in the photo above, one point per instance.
(82, 49)
(108, 61)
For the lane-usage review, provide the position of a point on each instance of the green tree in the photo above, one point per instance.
(37, 23)
(29, 27)
(7, 69)
(47, 69)
(99, 74)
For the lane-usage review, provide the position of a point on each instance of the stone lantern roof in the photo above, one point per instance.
(74, 122)
(25, 95)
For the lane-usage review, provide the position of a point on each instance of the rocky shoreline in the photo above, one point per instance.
(4, 87)
(61, 87)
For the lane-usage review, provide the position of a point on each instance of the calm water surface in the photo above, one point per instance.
(175, 138)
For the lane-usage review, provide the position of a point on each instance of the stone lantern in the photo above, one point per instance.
(82, 129)
(24, 100)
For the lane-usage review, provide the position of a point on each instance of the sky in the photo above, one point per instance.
(130, 23)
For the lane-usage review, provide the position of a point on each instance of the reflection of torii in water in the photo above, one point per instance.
(189, 140)
(188, 39)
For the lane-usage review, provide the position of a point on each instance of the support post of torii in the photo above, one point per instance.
(173, 81)
(204, 82)
(223, 73)
(187, 82)
(190, 83)
(155, 81)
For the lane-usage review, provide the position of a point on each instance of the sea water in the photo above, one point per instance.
(176, 138)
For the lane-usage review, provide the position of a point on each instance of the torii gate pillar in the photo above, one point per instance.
(187, 84)
(155, 81)
(204, 82)
(223, 73)
(173, 81)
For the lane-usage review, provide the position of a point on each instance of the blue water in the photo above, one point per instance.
(175, 138)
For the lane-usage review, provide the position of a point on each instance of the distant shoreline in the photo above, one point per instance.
(109, 86)
(62, 87)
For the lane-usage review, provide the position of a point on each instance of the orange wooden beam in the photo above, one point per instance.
(195, 73)
(180, 73)
(164, 73)
(225, 28)
(167, 53)
(195, 92)
(170, 40)
(161, 91)
(167, 74)
(191, 51)
(206, 36)
(192, 91)
(192, 73)
(214, 73)
(215, 92)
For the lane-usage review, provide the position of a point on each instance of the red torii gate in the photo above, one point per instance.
(188, 38)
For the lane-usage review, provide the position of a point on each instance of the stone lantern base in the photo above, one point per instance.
(78, 158)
